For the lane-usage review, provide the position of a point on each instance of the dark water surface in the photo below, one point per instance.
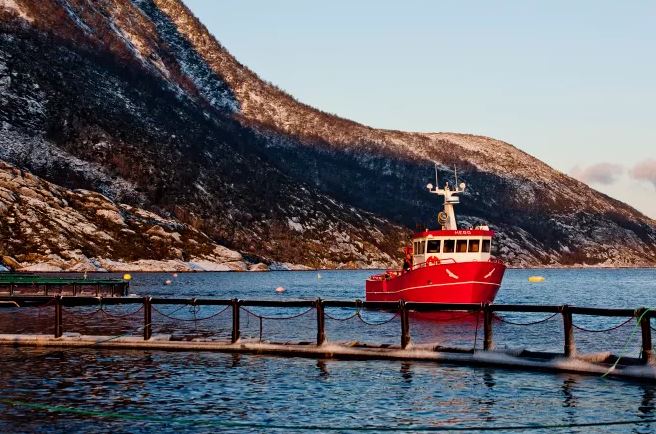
(82, 390)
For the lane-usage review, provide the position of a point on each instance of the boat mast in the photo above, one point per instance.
(447, 218)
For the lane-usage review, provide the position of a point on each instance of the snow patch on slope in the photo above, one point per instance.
(42, 155)
(209, 84)
(73, 15)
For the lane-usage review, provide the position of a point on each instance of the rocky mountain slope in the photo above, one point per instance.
(49, 228)
(136, 100)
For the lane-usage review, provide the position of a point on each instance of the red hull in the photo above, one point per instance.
(456, 282)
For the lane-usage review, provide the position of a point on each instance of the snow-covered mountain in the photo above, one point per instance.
(136, 100)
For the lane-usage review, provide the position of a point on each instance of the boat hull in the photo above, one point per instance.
(458, 282)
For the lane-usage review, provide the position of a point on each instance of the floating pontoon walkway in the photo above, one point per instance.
(597, 365)
(74, 312)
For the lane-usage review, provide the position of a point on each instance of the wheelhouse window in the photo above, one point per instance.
(474, 246)
(433, 246)
(486, 246)
(422, 247)
(449, 246)
(461, 246)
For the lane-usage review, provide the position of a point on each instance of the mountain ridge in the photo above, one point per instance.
(156, 54)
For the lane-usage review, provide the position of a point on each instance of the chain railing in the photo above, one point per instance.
(401, 309)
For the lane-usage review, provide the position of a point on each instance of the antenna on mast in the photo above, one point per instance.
(436, 183)
(447, 218)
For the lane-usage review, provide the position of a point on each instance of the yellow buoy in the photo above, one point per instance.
(127, 276)
(536, 279)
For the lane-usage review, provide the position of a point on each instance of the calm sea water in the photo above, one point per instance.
(85, 390)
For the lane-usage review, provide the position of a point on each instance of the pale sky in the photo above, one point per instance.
(572, 83)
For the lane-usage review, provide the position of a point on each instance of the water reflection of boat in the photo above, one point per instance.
(450, 317)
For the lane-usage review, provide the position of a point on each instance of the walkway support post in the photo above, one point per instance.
(148, 318)
(405, 325)
(321, 323)
(647, 353)
(235, 320)
(59, 322)
(570, 345)
(488, 341)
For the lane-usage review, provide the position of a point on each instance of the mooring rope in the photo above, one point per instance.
(261, 318)
(168, 315)
(359, 315)
(528, 323)
(102, 309)
(125, 315)
(478, 317)
(89, 314)
(602, 330)
(277, 317)
(638, 321)
(357, 312)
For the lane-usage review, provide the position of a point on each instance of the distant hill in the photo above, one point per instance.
(136, 100)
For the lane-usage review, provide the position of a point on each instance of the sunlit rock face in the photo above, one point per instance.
(134, 100)
(45, 227)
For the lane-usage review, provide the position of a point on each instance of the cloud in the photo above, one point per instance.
(602, 173)
(645, 171)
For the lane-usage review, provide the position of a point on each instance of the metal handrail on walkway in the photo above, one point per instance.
(402, 308)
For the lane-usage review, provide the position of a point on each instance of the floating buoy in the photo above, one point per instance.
(126, 276)
(535, 279)
(175, 274)
(168, 282)
(280, 289)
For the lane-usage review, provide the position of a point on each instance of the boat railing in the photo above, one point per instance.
(388, 274)
(436, 261)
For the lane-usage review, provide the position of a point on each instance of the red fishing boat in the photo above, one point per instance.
(449, 265)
